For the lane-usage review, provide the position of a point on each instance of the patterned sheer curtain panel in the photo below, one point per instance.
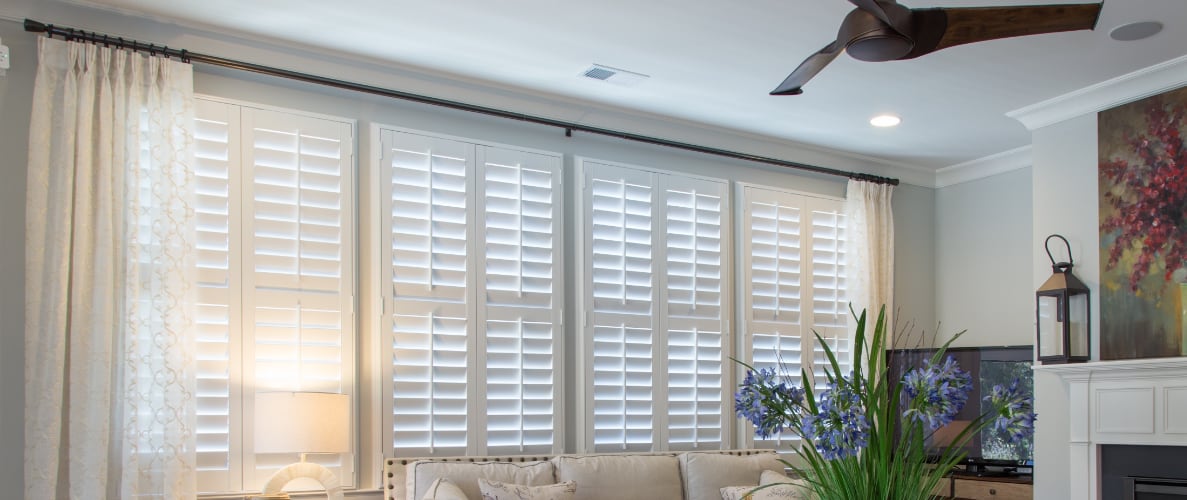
(871, 249)
(110, 248)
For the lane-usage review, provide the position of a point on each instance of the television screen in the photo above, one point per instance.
(988, 366)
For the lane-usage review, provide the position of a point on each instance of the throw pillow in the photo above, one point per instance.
(495, 490)
(783, 488)
(444, 489)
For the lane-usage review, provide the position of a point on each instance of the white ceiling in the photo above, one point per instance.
(714, 61)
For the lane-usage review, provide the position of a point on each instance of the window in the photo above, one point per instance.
(654, 317)
(792, 284)
(275, 215)
(473, 297)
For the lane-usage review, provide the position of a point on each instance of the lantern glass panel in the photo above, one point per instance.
(1050, 328)
(1078, 324)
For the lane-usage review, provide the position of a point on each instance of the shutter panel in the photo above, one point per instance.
(773, 292)
(694, 256)
(796, 261)
(299, 272)
(216, 155)
(519, 299)
(621, 282)
(431, 335)
(830, 308)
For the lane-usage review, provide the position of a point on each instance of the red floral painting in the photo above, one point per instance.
(1143, 231)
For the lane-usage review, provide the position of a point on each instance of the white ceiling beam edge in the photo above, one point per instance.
(1129, 87)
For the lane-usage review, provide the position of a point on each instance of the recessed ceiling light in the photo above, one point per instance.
(885, 121)
(1136, 31)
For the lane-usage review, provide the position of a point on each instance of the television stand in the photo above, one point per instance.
(992, 485)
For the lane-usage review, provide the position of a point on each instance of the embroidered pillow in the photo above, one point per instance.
(784, 488)
(444, 489)
(495, 490)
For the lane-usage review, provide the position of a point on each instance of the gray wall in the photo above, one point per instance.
(1065, 202)
(914, 256)
(914, 206)
(16, 97)
(983, 260)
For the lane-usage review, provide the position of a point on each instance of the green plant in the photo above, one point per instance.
(851, 451)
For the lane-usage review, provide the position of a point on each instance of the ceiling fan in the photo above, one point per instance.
(884, 30)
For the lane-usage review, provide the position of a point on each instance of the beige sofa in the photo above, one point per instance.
(626, 476)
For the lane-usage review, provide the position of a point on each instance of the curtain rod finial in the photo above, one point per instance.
(34, 26)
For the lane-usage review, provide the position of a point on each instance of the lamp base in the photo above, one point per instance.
(322, 475)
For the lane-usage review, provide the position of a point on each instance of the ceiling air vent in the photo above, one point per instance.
(614, 75)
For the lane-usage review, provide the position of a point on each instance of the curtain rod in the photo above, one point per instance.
(194, 57)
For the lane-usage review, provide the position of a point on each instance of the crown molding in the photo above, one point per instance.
(986, 166)
(1129, 87)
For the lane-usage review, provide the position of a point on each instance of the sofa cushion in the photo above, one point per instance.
(496, 490)
(465, 475)
(621, 477)
(705, 474)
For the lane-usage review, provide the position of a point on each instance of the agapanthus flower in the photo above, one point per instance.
(1016, 415)
(839, 428)
(933, 395)
(767, 401)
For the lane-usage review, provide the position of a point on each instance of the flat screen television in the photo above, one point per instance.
(988, 366)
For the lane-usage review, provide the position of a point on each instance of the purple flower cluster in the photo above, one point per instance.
(934, 394)
(767, 402)
(839, 428)
(1016, 415)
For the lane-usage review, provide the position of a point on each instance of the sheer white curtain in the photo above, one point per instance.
(109, 378)
(870, 248)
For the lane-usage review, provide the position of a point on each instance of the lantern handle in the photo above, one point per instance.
(1062, 266)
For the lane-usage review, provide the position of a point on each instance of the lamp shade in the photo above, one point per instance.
(302, 422)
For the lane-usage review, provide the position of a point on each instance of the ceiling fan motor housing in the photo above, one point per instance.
(870, 39)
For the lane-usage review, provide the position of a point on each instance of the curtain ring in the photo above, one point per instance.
(185, 58)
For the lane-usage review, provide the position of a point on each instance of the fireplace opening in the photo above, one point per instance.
(1150, 488)
(1143, 472)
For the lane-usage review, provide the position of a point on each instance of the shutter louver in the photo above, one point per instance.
(430, 278)
(300, 275)
(694, 254)
(216, 163)
(621, 281)
(518, 308)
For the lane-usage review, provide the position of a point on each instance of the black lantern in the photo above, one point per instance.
(1062, 311)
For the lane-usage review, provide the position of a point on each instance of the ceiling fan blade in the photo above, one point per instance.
(938, 29)
(794, 82)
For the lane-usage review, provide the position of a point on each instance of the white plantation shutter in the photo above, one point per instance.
(431, 334)
(694, 256)
(830, 308)
(476, 298)
(299, 272)
(518, 303)
(276, 246)
(653, 269)
(219, 295)
(793, 266)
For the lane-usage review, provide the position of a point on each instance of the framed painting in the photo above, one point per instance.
(1143, 228)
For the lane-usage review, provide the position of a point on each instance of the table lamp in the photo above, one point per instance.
(302, 422)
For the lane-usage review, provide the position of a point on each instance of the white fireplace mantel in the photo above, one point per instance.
(1136, 402)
